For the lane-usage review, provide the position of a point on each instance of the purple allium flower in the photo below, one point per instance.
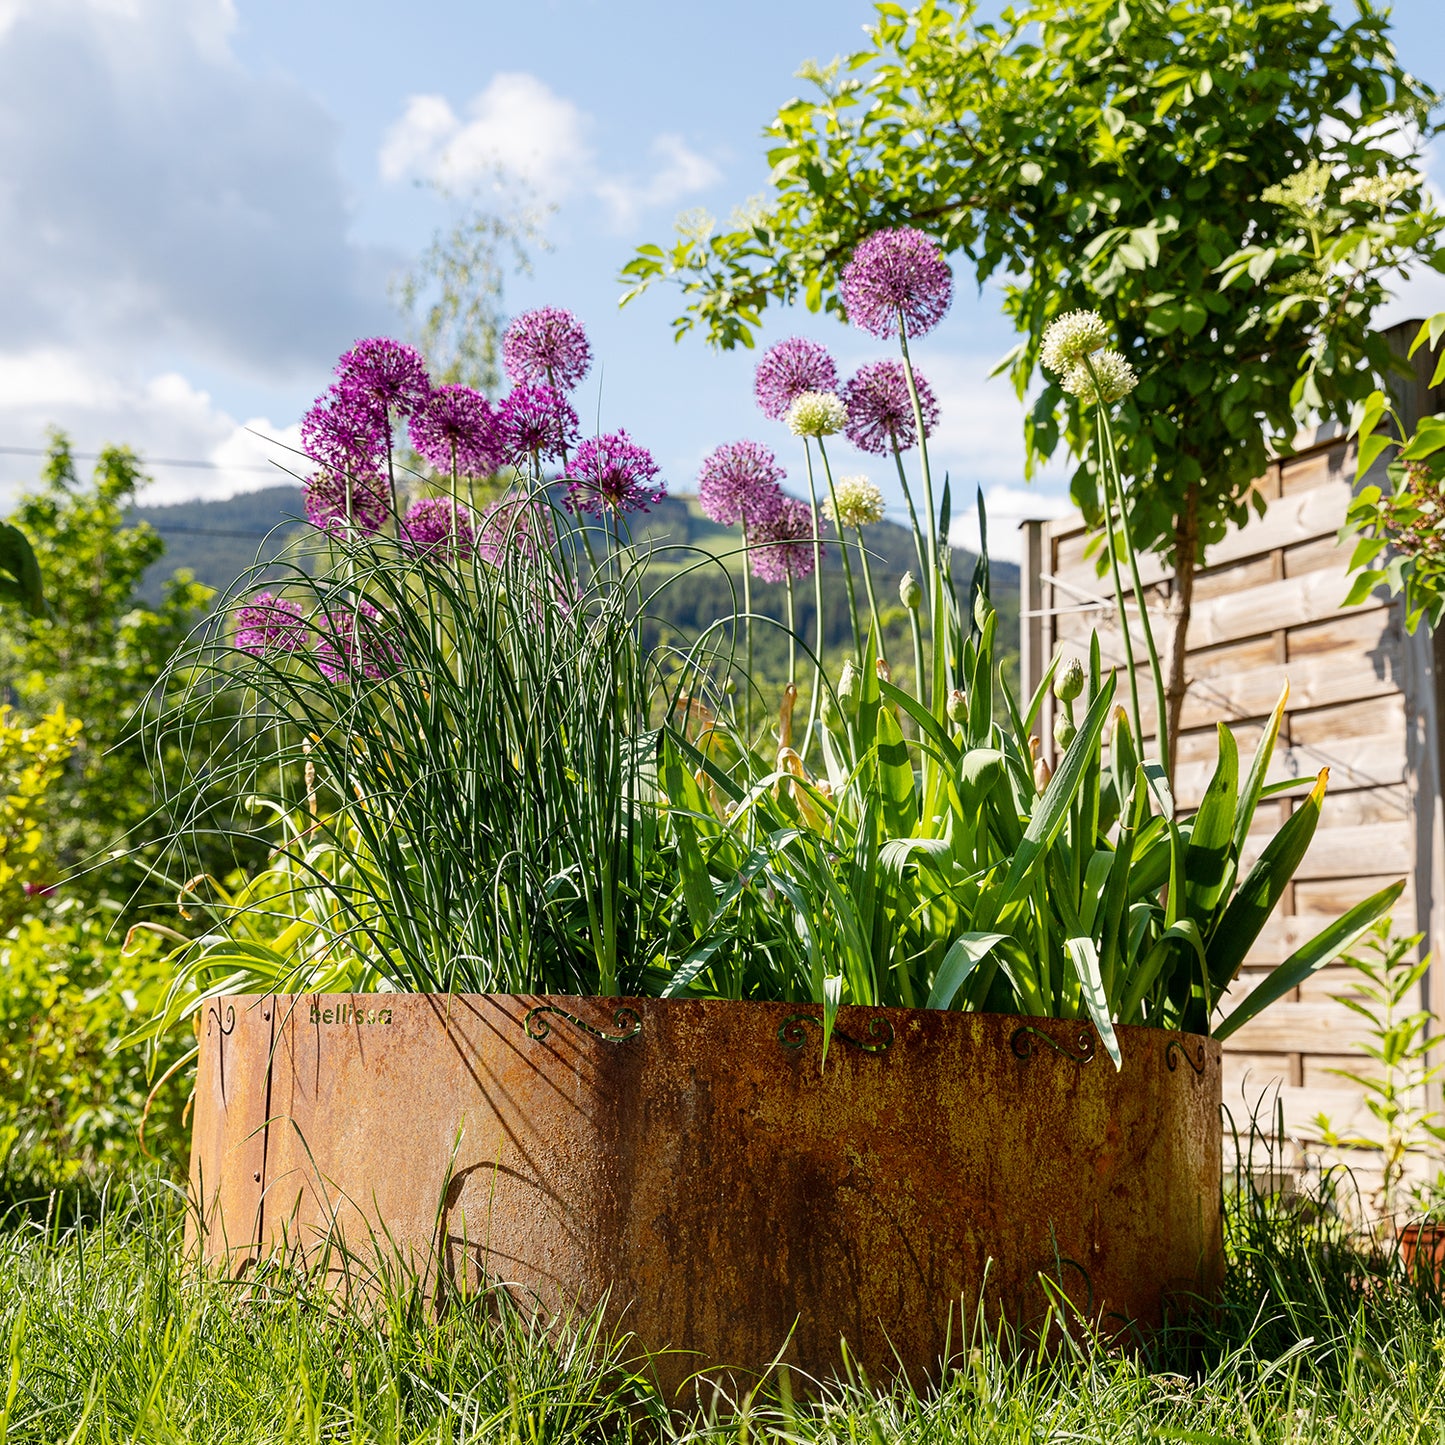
(546, 347)
(783, 546)
(789, 369)
(437, 525)
(893, 275)
(880, 413)
(335, 501)
(387, 373)
(611, 473)
(343, 650)
(739, 483)
(517, 523)
(267, 624)
(345, 432)
(537, 419)
(457, 427)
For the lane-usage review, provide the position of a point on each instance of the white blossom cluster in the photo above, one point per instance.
(858, 501)
(816, 414)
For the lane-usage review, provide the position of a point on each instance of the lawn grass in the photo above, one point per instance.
(107, 1335)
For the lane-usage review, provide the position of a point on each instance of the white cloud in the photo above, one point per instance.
(1007, 507)
(158, 196)
(521, 129)
(516, 125)
(681, 172)
(159, 416)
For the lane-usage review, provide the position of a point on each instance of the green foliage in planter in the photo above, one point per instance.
(980, 881)
(72, 1092)
(491, 782)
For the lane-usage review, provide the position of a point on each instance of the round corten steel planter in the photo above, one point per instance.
(703, 1169)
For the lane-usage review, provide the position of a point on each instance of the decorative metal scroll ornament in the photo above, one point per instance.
(792, 1034)
(1021, 1042)
(227, 1025)
(625, 1019)
(1174, 1051)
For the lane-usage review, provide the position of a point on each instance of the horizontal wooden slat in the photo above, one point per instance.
(1353, 762)
(1334, 896)
(1338, 852)
(1290, 603)
(1308, 514)
(1322, 1027)
(1255, 1096)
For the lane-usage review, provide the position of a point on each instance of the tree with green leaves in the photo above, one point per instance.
(97, 652)
(1230, 185)
(453, 296)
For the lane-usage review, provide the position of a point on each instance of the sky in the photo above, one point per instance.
(203, 201)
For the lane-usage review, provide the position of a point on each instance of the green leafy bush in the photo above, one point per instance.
(72, 1092)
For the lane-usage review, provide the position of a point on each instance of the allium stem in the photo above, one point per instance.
(872, 598)
(792, 636)
(922, 445)
(912, 513)
(391, 476)
(917, 631)
(847, 565)
(1106, 430)
(747, 635)
(1123, 615)
(817, 694)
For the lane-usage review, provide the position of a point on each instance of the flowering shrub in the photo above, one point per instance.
(31, 759)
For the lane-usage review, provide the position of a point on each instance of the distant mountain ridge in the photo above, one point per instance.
(217, 539)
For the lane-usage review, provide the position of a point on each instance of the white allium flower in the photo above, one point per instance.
(1071, 337)
(1381, 190)
(816, 414)
(860, 503)
(1116, 378)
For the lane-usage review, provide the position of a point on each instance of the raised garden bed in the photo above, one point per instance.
(701, 1167)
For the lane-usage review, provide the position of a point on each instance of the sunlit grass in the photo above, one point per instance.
(109, 1335)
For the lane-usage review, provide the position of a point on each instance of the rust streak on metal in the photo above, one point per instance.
(709, 1180)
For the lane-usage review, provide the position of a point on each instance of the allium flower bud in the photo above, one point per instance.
(849, 688)
(1042, 772)
(1070, 682)
(1070, 338)
(1111, 380)
(1064, 730)
(957, 706)
(816, 414)
(910, 592)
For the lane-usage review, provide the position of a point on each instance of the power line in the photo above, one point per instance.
(154, 461)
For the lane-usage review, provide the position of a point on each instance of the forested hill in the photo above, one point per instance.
(218, 540)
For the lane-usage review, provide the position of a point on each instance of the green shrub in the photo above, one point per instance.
(72, 1095)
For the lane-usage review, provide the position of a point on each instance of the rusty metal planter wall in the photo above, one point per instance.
(699, 1166)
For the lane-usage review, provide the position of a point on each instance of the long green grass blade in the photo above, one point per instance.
(1323, 948)
(1258, 768)
(1261, 890)
(1052, 810)
(1085, 958)
(965, 953)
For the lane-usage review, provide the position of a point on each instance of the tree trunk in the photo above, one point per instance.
(1181, 606)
